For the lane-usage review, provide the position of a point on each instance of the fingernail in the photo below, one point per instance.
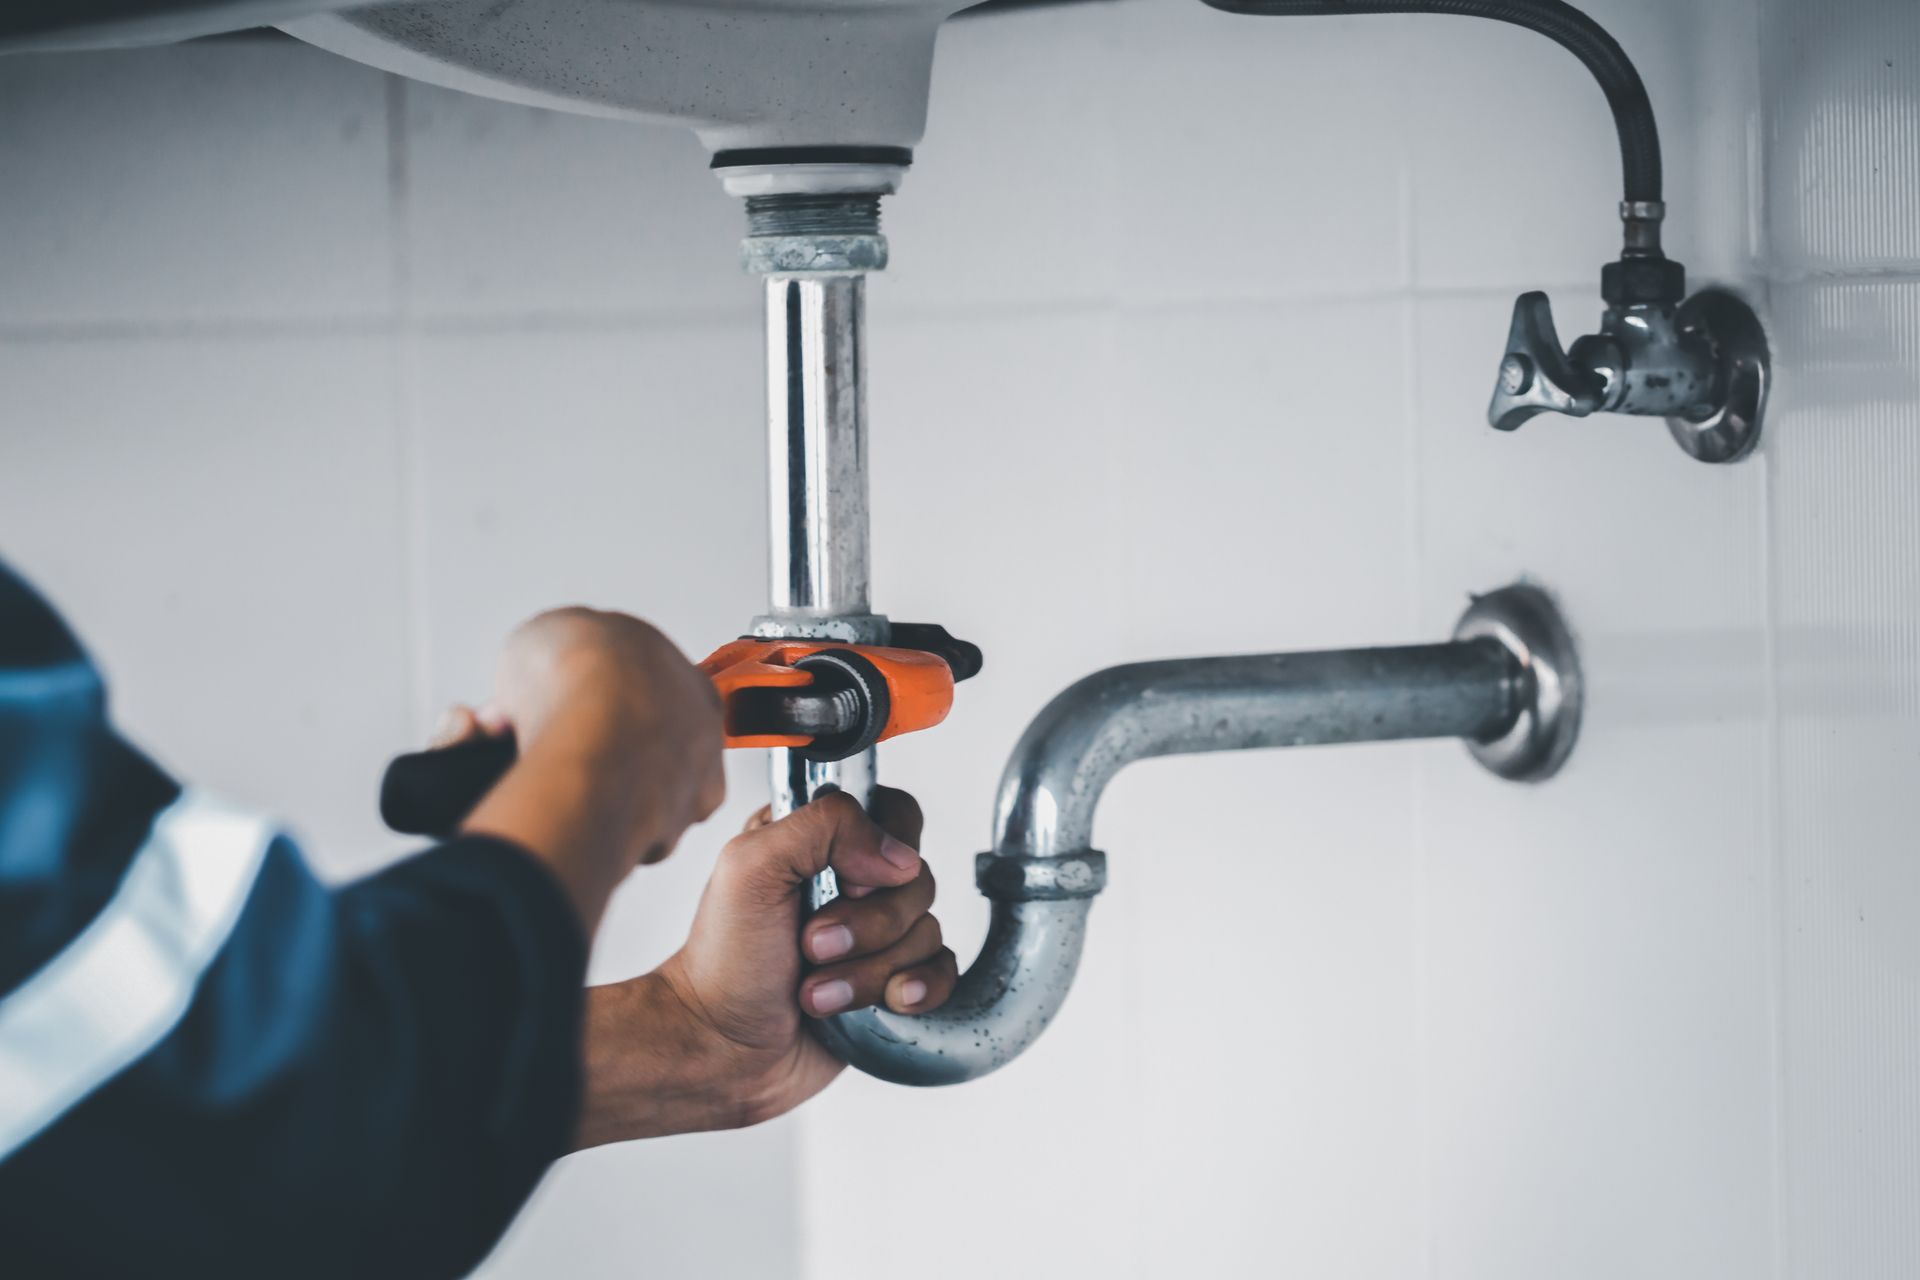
(492, 719)
(834, 940)
(829, 996)
(447, 726)
(912, 991)
(898, 853)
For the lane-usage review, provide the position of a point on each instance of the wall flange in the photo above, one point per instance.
(1732, 330)
(1550, 693)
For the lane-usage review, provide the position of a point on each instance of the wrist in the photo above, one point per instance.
(581, 809)
(652, 1067)
(569, 814)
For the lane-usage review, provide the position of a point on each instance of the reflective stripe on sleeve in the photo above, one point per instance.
(127, 979)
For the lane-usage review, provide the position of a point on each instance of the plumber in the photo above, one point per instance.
(213, 1065)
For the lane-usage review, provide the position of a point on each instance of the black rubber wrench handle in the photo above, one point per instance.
(430, 793)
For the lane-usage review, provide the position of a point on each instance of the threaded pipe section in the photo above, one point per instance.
(849, 214)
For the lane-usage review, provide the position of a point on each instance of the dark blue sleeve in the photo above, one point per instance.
(369, 1083)
(365, 1081)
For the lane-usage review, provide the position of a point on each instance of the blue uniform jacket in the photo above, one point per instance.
(213, 1065)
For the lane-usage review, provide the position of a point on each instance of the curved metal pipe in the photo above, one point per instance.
(1123, 714)
(1498, 687)
(1005, 999)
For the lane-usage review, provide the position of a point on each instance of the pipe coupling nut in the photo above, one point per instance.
(813, 254)
(1017, 878)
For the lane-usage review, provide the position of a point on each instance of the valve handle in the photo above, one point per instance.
(1537, 376)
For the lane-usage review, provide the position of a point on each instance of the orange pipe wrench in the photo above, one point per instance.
(825, 700)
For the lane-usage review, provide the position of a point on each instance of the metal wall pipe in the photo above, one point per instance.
(1043, 871)
(1123, 714)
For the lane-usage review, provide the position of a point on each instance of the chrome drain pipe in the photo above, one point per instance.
(813, 226)
(817, 518)
(1508, 683)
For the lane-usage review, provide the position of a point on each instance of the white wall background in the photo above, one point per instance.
(313, 381)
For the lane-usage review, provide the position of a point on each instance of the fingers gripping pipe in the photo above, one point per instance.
(1509, 684)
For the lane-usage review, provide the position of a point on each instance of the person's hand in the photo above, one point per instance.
(619, 742)
(715, 1037)
(600, 685)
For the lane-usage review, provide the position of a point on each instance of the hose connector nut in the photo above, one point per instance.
(1640, 227)
(1015, 878)
(1639, 282)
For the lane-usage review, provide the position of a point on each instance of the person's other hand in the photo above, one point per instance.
(715, 1038)
(619, 742)
(595, 684)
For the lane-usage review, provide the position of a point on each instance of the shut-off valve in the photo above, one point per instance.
(1700, 362)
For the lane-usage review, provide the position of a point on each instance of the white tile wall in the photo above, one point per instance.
(1842, 126)
(560, 468)
(1185, 349)
(1221, 190)
(221, 519)
(512, 214)
(1597, 949)
(203, 184)
(685, 1208)
(1847, 627)
(1010, 205)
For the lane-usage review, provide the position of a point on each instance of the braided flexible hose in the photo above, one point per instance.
(1571, 29)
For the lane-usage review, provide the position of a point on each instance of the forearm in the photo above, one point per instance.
(654, 1065)
(580, 802)
(400, 1054)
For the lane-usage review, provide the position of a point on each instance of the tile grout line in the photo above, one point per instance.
(533, 323)
(1417, 783)
(1109, 313)
(1774, 855)
(1772, 846)
(409, 460)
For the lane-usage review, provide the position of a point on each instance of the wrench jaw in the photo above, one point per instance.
(831, 702)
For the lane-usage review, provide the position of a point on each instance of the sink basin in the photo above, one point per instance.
(744, 76)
